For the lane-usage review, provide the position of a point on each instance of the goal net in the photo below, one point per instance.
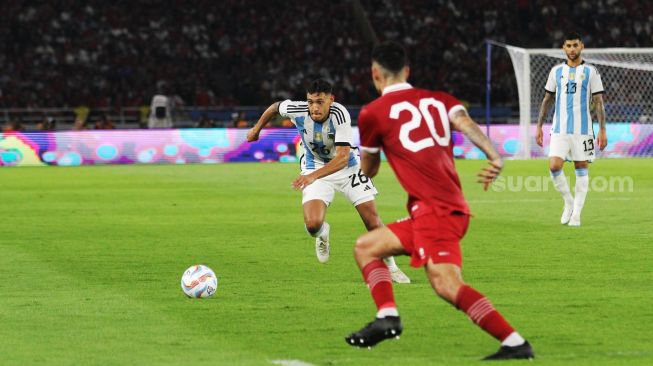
(627, 75)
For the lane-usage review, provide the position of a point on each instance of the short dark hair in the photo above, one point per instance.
(570, 36)
(319, 86)
(391, 56)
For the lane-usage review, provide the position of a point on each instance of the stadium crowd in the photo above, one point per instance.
(244, 52)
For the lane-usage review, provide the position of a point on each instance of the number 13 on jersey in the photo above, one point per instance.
(419, 114)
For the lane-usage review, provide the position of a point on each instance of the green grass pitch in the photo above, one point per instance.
(91, 260)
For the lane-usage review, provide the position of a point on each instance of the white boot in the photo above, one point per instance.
(322, 248)
(398, 276)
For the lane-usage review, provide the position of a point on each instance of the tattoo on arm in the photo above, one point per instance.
(544, 108)
(463, 123)
(600, 110)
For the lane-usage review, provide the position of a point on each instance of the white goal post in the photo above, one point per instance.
(627, 75)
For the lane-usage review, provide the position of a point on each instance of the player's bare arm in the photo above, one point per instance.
(461, 121)
(602, 138)
(547, 102)
(370, 163)
(338, 163)
(266, 117)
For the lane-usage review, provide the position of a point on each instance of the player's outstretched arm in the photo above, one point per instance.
(547, 102)
(602, 138)
(463, 123)
(273, 110)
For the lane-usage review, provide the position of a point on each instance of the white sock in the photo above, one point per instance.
(390, 262)
(387, 312)
(560, 182)
(582, 182)
(324, 228)
(513, 340)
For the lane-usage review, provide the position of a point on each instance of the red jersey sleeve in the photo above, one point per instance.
(452, 104)
(368, 129)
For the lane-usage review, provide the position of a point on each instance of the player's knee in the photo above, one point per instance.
(362, 247)
(555, 167)
(313, 226)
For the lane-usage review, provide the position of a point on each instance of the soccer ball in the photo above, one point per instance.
(199, 281)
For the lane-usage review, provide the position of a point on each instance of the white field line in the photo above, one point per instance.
(291, 363)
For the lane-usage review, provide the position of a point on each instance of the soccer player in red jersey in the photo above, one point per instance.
(413, 127)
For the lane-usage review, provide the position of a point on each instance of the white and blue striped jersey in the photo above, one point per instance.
(320, 139)
(573, 87)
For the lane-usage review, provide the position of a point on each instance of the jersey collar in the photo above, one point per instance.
(582, 62)
(396, 87)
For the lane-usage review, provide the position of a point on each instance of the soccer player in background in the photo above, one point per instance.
(328, 164)
(413, 127)
(572, 84)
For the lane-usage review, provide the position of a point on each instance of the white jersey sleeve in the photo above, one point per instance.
(596, 85)
(292, 109)
(342, 124)
(551, 82)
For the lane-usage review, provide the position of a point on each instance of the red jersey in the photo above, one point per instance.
(412, 127)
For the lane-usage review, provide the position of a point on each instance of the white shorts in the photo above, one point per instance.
(572, 147)
(357, 187)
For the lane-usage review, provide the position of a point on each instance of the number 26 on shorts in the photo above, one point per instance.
(362, 179)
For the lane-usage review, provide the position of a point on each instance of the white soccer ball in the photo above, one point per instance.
(199, 281)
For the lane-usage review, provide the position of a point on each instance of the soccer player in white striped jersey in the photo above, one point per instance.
(329, 164)
(571, 86)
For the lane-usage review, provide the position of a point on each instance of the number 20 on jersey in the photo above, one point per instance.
(418, 114)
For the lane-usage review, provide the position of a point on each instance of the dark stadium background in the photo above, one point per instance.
(216, 58)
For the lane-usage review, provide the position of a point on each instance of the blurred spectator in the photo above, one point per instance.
(239, 120)
(286, 123)
(46, 124)
(144, 116)
(160, 112)
(205, 122)
(104, 123)
(80, 124)
(82, 112)
(13, 126)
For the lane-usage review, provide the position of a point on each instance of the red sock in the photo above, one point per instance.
(480, 311)
(377, 277)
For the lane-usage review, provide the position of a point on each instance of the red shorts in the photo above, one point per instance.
(427, 234)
